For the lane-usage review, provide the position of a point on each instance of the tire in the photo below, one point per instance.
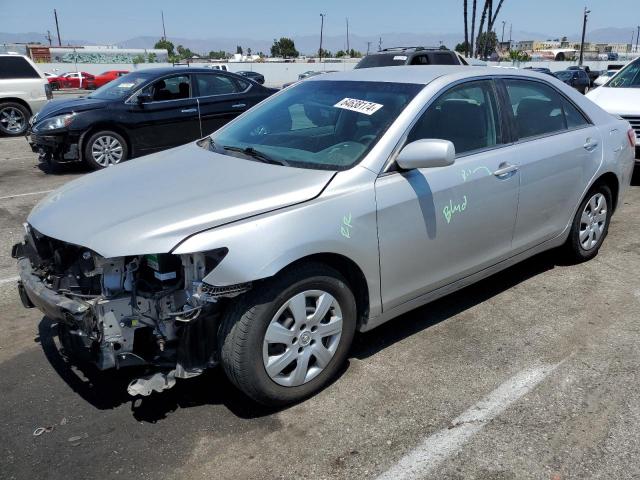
(14, 119)
(104, 149)
(246, 353)
(586, 90)
(590, 225)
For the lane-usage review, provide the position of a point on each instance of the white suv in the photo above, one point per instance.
(23, 92)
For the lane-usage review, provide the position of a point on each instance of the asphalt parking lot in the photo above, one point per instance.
(532, 373)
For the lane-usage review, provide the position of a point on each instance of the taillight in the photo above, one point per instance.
(632, 137)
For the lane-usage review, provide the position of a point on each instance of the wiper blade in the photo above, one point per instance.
(253, 153)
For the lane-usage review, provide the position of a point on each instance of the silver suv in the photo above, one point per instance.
(333, 206)
(23, 92)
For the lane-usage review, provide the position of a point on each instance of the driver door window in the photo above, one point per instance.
(466, 115)
(171, 88)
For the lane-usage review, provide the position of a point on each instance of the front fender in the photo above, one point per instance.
(341, 221)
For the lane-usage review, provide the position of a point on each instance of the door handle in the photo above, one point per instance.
(189, 110)
(505, 170)
(239, 105)
(591, 145)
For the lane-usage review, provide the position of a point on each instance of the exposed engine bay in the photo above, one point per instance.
(145, 310)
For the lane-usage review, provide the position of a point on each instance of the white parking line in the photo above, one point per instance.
(9, 280)
(26, 194)
(435, 449)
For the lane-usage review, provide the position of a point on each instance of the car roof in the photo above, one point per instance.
(422, 75)
(168, 70)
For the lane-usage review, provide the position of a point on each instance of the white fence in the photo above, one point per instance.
(278, 73)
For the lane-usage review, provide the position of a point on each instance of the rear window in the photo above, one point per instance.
(382, 60)
(16, 67)
(443, 58)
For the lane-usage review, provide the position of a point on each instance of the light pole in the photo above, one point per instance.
(584, 30)
(637, 38)
(322, 15)
(503, 25)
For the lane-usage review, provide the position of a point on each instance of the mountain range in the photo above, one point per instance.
(307, 44)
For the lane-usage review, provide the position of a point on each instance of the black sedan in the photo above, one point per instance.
(578, 79)
(255, 76)
(140, 113)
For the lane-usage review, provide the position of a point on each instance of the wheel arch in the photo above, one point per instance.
(104, 126)
(610, 179)
(349, 269)
(17, 100)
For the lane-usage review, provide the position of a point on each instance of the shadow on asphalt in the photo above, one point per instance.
(635, 179)
(51, 168)
(107, 389)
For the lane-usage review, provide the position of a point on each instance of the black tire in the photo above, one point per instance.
(243, 331)
(9, 112)
(574, 247)
(95, 137)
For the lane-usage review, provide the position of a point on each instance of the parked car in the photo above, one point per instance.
(23, 92)
(590, 73)
(577, 79)
(604, 77)
(255, 76)
(140, 113)
(77, 80)
(54, 80)
(620, 96)
(333, 206)
(540, 70)
(108, 76)
(410, 56)
(217, 67)
(308, 74)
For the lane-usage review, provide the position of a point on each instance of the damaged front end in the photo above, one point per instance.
(145, 310)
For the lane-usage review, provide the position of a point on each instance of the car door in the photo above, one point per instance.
(221, 98)
(558, 151)
(438, 225)
(169, 119)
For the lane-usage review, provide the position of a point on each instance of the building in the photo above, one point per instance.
(525, 45)
(545, 45)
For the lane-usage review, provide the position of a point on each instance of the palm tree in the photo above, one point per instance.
(466, 29)
(473, 27)
(482, 20)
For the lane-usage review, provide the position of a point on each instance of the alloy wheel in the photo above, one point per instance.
(593, 221)
(106, 150)
(12, 120)
(302, 338)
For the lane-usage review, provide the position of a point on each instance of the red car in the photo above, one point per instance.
(109, 75)
(56, 81)
(74, 80)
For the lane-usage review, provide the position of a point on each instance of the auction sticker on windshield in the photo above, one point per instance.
(360, 106)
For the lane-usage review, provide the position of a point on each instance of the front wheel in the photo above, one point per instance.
(591, 224)
(287, 338)
(104, 149)
(14, 118)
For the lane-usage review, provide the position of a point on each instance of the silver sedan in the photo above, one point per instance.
(333, 206)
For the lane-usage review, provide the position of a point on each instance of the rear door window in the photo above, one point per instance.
(16, 67)
(443, 58)
(215, 84)
(537, 108)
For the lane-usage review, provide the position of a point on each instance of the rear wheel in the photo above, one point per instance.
(285, 340)
(14, 119)
(591, 224)
(104, 149)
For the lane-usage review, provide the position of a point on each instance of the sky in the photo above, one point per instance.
(123, 19)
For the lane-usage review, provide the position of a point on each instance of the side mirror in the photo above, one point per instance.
(426, 153)
(144, 97)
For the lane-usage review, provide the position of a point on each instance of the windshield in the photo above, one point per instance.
(324, 125)
(628, 77)
(382, 60)
(120, 88)
(564, 75)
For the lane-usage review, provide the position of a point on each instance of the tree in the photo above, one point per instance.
(285, 47)
(473, 29)
(341, 53)
(462, 48)
(482, 20)
(355, 53)
(322, 53)
(138, 59)
(487, 43)
(249, 51)
(152, 57)
(444, 47)
(466, 29)
(184, 53)
(239, 49)
(166, 44)
(219, 55)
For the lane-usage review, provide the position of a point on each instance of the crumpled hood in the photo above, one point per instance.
(150, 204)
(617, 101)
(60, 107)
